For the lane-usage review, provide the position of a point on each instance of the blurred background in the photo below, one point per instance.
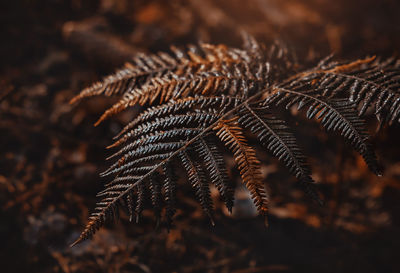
(50, 154)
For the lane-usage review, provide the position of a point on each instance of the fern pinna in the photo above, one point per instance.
(195, 99)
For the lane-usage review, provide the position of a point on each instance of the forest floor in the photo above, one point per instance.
(51, 155)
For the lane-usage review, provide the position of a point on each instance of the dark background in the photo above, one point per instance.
(50, 154)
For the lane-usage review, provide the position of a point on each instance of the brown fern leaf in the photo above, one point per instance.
(145, 68)
(229, 80)
(232, 135)
(205, 97)
(161, 90)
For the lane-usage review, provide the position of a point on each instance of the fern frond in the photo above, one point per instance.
(200, 99)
